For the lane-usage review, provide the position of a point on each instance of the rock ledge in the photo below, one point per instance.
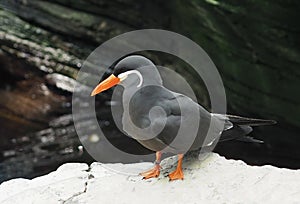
(213, 180)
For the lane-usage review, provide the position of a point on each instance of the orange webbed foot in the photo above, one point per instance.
(177, 174)
(152, 173)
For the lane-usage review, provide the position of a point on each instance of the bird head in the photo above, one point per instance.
(127, 66)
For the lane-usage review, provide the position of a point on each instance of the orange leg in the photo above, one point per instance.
(156, 169)
(178, 173)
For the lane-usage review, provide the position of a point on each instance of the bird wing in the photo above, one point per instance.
(187, 124)
(183, 123)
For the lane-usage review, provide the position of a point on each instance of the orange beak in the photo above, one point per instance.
(111, 81)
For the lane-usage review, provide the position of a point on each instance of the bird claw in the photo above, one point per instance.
(152, 173)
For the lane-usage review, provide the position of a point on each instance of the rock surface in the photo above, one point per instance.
(213, 180)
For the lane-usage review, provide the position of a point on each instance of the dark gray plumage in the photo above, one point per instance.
(153, 94)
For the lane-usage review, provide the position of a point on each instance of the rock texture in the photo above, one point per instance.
(213, 180)
(253, 43)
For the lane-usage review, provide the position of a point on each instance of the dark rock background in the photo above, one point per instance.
(255, 45)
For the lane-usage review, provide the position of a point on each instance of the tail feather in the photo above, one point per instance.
(238, 120)
(249, 139)
(238, 128)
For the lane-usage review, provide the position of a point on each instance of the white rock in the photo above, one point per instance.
(214, 180)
